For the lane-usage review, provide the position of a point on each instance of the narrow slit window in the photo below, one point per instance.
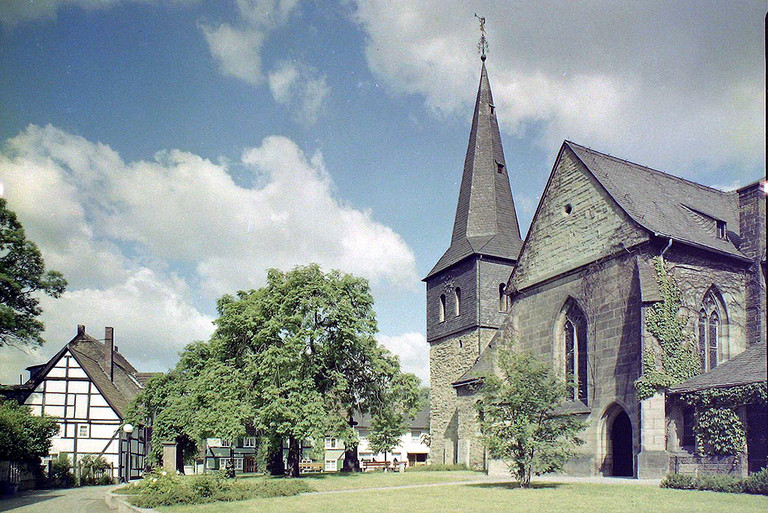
(457, 294)
(503, 306)
(441, 308)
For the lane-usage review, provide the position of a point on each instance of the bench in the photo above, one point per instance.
(382, 465)
(309, 467)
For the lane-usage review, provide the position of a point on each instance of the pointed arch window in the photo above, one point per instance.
(441, 308)
(575, 351)
(457, 297)
(710, 331)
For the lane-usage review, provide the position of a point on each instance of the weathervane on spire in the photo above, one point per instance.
(482, 46)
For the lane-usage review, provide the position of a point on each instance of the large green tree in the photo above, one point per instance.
(291, 361)
(307, 342)
(521, 416)
(24, 436)
(22, 278)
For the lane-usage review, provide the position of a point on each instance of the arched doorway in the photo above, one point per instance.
(621, 445)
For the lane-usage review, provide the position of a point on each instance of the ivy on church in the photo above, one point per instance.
(676, 359)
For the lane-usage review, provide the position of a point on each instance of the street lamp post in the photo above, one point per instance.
(128, 429)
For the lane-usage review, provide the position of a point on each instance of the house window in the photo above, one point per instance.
(442, 308)
(249, 441)
(330, 442)
(457, 297)
(721, 230)
(224, 443)
(363, 434)
(330, 465)
(238, 463)
(710, 331)
(415, 435)
(82, 431)
(575, 352)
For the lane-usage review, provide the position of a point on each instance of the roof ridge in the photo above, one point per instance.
(648, 168)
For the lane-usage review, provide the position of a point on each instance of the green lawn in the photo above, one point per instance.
(483, 498)
(356, 481)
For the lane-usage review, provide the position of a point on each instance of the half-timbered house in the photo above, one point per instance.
(88, 386)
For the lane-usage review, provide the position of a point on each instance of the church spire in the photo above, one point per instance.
(486, 221)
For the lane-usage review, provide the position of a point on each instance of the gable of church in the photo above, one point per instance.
(577, 222)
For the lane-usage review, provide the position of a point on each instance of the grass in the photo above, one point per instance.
(483, 498)
(357, 481)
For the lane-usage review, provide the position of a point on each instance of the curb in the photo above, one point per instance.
(116, 501)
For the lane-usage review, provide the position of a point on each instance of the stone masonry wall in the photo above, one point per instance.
(451, 419)
(609, 295)
(577, 223)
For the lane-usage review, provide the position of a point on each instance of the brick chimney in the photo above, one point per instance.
(109, 352)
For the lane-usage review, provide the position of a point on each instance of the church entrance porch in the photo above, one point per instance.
(617, 441)
(621, 444)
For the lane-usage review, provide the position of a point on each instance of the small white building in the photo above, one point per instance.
(88, 385)
(412, 450)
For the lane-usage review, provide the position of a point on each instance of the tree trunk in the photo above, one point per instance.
(275, 464)
(351, 461)
(294, 457)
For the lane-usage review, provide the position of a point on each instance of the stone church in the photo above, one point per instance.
(577, 290)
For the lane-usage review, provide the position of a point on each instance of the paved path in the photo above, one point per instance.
(88, 499)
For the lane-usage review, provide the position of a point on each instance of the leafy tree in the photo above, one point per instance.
(201, 397)
(22, 278)
(306, 341)
(519, 418)
(290, 361)
(24, 436)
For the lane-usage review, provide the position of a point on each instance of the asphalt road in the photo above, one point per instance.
(88, 499)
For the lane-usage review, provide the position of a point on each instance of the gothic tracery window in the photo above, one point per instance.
(575, 352)
(710, 334)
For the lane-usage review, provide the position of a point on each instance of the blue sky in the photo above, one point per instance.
(163, 153)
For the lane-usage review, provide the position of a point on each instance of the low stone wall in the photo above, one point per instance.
(119, 502)
(694, 465)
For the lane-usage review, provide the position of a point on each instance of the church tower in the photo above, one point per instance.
(466, 303)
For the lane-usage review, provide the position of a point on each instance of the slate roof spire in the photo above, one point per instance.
(486, 221)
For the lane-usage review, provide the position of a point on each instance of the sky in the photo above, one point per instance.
(164, 153)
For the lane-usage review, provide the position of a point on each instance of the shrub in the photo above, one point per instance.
(95, 471)
(757, 483)
(61, 472)
(159, 488)
(719, 483)
(678, 481)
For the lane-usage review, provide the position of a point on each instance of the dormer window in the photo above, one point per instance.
(721, 230)
(499, 167)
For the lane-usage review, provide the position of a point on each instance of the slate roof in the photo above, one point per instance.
(484, 366)
(743, 369)
(666, 205)
(89, 354)
(486, 221)
(420, 421)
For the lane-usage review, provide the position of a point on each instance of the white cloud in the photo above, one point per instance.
(124, 233)
(413, 350)
(672, 94)
(237, 47)
(236, 50)
(300, 87)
